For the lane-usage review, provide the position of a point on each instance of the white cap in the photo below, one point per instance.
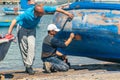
(52, 27)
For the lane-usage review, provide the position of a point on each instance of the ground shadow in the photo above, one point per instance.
(19, 72)
(108, 67)
(8, 75)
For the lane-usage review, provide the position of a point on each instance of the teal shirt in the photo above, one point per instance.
(28, 19)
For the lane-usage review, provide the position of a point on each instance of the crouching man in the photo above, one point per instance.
(49, 56)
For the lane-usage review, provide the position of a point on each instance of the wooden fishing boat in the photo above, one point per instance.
(4, 45)
(96, 24)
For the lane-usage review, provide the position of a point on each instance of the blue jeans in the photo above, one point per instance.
(57, 64)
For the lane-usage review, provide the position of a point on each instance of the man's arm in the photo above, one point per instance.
(64, 12)
(12, 26)
(14, 21)
(60, 44)
(49, 9)
(59, 53)
(62, 56)
(69, 39)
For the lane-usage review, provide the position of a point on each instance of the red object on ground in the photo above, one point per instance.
(9, 36)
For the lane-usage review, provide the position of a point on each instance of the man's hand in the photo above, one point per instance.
(9, 36)
(69, 39)
(64, 57)
(72, 35)
(65, 12)
(70, 15)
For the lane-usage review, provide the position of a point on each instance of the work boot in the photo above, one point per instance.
(53, 70)
(30, 71)
(47, 67)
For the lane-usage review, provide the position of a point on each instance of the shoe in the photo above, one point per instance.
(53, 70)
(47, 67)
(30, 71)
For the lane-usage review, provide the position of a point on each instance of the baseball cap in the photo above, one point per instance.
(52, 27)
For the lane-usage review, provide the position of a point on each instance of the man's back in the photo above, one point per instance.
(47, 47)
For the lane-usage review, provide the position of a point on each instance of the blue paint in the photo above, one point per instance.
(93, 44)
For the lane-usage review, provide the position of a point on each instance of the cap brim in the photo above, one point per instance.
(57, 30)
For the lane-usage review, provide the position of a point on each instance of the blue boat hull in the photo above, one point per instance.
(92, 45)
(98, 30)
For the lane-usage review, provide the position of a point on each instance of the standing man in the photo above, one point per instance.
(27, 31)
(49, 51)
